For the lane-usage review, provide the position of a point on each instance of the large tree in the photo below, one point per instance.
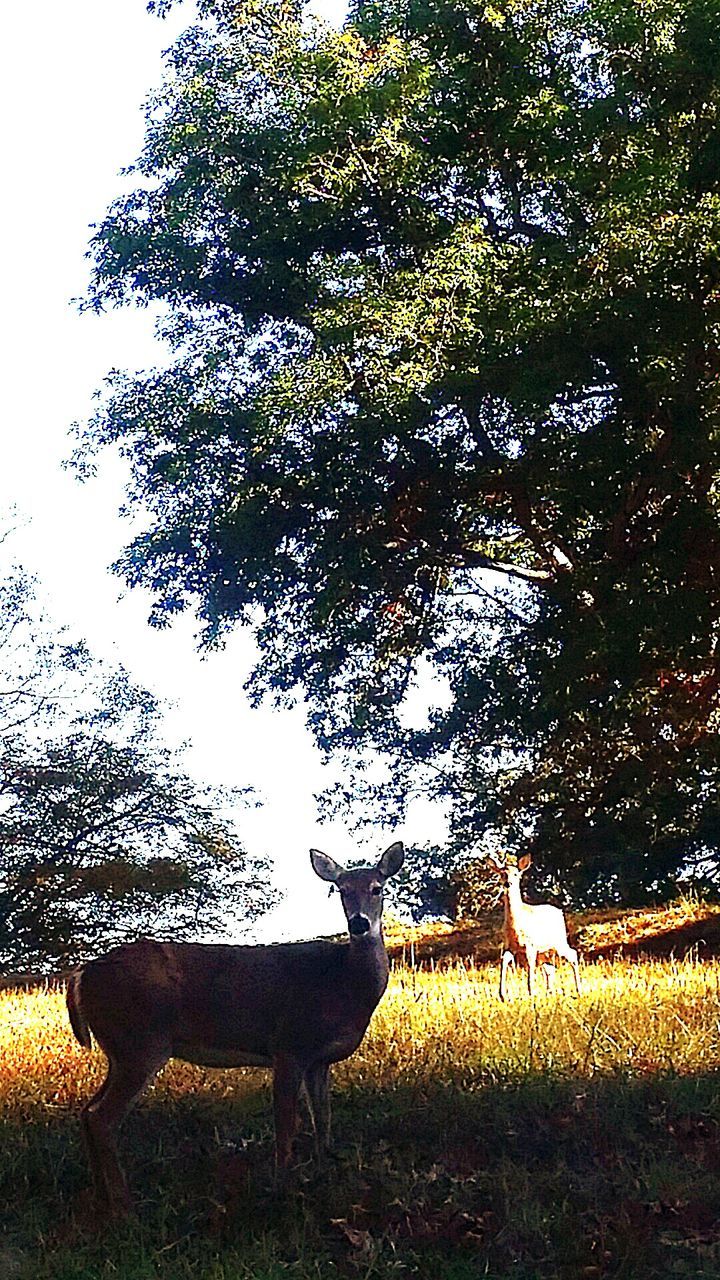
(442, 290)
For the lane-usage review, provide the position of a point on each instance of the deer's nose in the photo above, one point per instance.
(358, 924)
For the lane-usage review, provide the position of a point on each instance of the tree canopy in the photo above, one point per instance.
(103, 836)
(442, 290)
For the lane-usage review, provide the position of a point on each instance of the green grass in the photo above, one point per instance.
(575, 1138)
(541, 1178)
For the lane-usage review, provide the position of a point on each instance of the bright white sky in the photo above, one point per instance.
(74, 79)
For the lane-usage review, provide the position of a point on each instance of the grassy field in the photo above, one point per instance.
(570, 1138)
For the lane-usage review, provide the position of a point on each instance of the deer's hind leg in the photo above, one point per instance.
(571, 956)
(101, 1118)
(531, 958)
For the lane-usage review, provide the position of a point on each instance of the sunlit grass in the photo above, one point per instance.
(614, 927)
(632, 1017)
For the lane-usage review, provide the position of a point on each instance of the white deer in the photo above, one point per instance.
(296, 1007)
(531, 933)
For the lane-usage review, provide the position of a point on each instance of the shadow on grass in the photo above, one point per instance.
(544, 1178)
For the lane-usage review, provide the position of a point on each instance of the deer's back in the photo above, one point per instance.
(228, 1005)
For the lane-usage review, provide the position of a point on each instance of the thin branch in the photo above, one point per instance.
(470, 559)
(496, 600)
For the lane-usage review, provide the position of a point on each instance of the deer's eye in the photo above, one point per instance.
(376, 891)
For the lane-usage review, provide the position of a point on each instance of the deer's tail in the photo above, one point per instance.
(78, 1021)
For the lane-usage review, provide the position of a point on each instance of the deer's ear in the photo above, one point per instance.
(323, 866)
(391, 861)
(495, 864)
(524, 862)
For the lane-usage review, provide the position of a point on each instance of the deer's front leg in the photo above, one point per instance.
(287, 1079)
(316, 1083)
(507, 959)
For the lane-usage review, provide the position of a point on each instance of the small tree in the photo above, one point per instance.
(104, 838)
(41, 669)
(102, 834)
(473, 890)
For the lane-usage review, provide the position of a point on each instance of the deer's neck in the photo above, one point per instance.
(514, 905)
(369, 967)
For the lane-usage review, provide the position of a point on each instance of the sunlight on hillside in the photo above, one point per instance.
(674, 928)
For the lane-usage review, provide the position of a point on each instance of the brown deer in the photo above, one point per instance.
(531, 933)
(293, 1006)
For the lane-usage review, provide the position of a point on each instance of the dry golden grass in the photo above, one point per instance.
(631, 1017)
(602, 930)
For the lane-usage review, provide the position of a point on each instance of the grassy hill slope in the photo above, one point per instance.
(675, 929)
